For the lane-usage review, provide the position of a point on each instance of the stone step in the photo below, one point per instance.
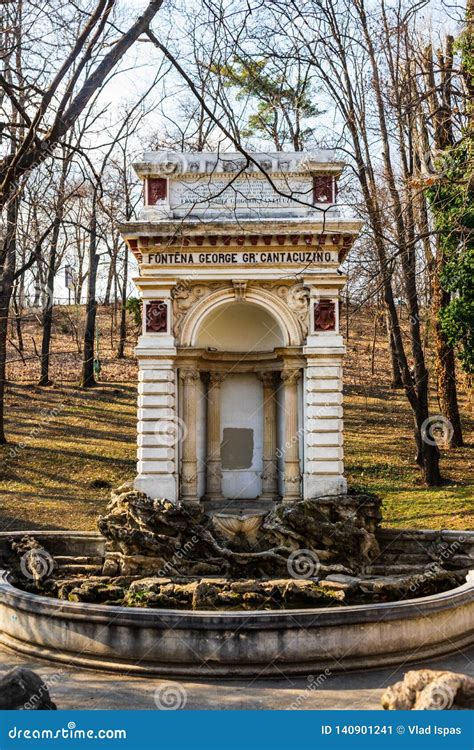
(76, 560)
(80, 569)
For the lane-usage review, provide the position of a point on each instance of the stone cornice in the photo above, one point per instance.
(239, 227)
(178, 165)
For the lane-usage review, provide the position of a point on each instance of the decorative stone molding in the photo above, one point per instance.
(188, 479)
(174, 163)
(296, 296)
(290, 376)
(290, 309)
(325, 315)
(186, 298)
(156, 316)
(270, 472)
(240, 289)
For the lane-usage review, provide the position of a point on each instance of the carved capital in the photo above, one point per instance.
(290, 377)
(189, 375)
(267, 378)
(216, 377)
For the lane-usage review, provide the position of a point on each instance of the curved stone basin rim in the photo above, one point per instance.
(397, 610)
(230, 644)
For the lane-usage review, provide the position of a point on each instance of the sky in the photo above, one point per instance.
(139, 66)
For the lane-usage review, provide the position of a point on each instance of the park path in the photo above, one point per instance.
(74, 688)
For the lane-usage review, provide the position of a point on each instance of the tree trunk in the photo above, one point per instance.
(108, 286)
(123, 309)
(445, 364)
(19, 333)
(88, 376)
(7, 273)
(395, 367)
(48, 308)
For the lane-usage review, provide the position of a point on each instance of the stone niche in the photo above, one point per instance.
(240, 357)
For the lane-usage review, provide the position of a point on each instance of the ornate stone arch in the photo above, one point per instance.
(291, 328)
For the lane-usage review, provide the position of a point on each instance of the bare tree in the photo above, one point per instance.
(42, 96)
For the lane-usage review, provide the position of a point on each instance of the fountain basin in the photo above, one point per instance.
(208, 643)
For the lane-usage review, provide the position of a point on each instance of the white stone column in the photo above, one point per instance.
(213, 458)
(157, 429)
(269, 474)
(323, 466)
(188, 491)
(292, 476)
(323, 472)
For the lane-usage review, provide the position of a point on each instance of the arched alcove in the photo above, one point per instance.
(239, 327)
(277, 318)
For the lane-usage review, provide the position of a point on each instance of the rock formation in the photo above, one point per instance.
(22, 689)
(162, 555)
(430, 690)
(154, 536)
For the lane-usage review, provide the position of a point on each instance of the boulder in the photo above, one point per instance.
(430, 690)
(22, 689)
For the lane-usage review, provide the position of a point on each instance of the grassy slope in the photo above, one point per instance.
(57, 479)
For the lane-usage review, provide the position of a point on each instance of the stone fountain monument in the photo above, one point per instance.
(240, 357)
(237, 549)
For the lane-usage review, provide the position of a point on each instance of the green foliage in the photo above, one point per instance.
(452, 203)
(283, 100)
(134, 307)
(457, 318)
